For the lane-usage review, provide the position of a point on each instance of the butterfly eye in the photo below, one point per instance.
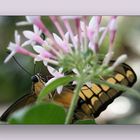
(34, 79)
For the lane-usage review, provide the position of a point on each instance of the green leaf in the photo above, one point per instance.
(85, 122)
(39, 114)
(53, 85)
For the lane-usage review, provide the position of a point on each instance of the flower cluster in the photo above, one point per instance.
(76, 48)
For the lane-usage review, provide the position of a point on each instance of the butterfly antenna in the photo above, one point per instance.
(21, 66)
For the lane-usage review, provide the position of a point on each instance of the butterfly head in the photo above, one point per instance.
(38, 83)
(36, 78)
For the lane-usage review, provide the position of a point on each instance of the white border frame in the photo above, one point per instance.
(71, 7)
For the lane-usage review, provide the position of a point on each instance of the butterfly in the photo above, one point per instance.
(92, 100)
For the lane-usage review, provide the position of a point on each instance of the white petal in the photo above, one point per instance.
(102, 29)
(82, 25)
(52, 71)
(36, 29)
(31, 19)
(26, 43)
(75, 71)
(92, 23)
(108, 57)
(59, 89)
(45, 63)
(92, 47)
(17, 37)
(29, 34)
(119, 60)
(12, 46)
(67, 36)
(38, 49)
(38, 58)
(9, 56)
(58, 39)
(49, 81)
(22, 23)
(113, 24)
(74, 83)
(60, 70)
(89, 84)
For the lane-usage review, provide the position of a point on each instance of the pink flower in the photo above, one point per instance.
(34, 37)
(43, 55)
(16, 48)
(93, 31)
(56, 74)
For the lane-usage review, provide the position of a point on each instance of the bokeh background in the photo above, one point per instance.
(14, 82)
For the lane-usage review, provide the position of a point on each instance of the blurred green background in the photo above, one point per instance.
(14, 82)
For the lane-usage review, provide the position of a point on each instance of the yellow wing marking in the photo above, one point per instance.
(119, 77)
(82, 96)
(88, 93)
(130, 76)
(96, 89)
(105, 87)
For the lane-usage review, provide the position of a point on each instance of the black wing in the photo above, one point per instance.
(96, 99)
(21, 102)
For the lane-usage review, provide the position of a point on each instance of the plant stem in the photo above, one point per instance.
(73, 103)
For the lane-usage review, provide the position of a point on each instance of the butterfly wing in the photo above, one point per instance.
(94, 100)
(21, 102)
(64, 98)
